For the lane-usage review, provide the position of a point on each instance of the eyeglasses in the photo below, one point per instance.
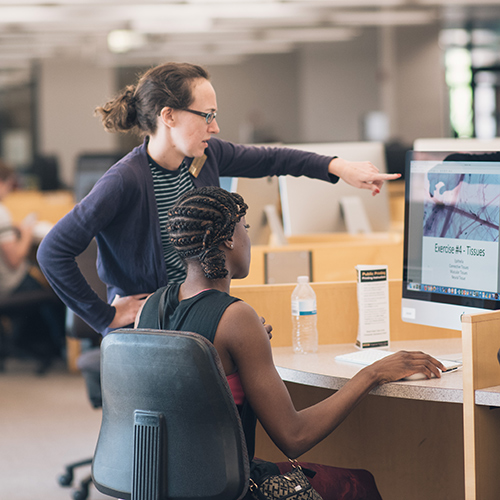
(209, 117)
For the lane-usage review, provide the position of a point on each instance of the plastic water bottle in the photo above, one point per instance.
(305, 332)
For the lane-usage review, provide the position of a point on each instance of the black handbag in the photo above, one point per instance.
(293, 485)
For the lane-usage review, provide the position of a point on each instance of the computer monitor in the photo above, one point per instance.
(312, 206)
(456, 144)
(258, 194)
(451, 242)
(89, 169)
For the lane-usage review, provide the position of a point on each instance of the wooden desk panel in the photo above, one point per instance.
(413, 448)
(49, 206)
(337, 312)
(481, 341)
(334, 256)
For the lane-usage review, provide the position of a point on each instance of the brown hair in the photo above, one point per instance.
(200, 221)
(137, 107)
(6, 171)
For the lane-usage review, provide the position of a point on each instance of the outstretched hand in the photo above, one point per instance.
(360, 174)
(126, 309)
(403, 364)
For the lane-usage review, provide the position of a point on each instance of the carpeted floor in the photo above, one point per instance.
(45, 422)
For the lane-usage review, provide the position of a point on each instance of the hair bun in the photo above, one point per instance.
(213, 263)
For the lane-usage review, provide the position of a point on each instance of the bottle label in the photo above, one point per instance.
(303, 307)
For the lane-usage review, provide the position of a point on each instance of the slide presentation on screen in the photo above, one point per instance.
(461, 230)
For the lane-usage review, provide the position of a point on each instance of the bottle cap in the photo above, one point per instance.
(303, 279)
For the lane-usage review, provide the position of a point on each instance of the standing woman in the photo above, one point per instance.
(174, 107)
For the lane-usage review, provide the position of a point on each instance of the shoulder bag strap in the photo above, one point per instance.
(161, 309)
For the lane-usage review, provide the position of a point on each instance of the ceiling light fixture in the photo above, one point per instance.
(120, 41)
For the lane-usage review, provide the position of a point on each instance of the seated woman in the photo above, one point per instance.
(38, 329)
(207, 228)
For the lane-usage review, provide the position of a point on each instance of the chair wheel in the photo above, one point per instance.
(81, 494)
(65, 479)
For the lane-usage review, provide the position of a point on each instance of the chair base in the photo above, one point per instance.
(66, 480)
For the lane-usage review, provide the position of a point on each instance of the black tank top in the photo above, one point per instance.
(199, 314)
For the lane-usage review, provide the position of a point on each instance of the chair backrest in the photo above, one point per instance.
(170, 428)
(90, 167)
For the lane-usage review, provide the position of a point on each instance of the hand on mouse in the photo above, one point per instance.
(404, 364)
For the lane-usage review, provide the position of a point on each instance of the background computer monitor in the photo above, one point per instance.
(89, 169)
(257, 193)
(451, 243)
(450, 144)
(311, 206)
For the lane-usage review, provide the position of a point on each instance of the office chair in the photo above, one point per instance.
(47, 170)
(170, 428)
(89, 169)
(88, 362)
(22, 303)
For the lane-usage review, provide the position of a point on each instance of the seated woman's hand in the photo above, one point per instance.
(126, 309)
(403, 364)
(268, 328)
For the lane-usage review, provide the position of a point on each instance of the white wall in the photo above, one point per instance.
(337, 86)
(265, 85)
(421, 93)
(69, 92)
(320, 93)
(340, 83)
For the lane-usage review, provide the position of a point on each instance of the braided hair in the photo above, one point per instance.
(200, 221)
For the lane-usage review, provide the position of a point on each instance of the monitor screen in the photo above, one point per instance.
(302, 199)
(257, 193)
(89, 169)
(451, 247)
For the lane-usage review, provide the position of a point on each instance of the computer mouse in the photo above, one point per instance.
(418, 376)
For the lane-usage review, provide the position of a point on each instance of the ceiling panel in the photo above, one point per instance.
(215, 30)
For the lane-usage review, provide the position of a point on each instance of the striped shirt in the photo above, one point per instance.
(169, 186)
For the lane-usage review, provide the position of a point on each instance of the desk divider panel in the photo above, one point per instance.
(481, 370)
(285, 267)
(334, 257)
(337, 312)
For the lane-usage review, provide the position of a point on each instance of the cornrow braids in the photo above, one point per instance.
(200, 221)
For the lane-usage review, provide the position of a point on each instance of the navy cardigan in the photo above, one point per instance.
(120, 212)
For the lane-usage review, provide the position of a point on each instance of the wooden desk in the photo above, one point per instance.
(408, 434)
(323, 370)
(50, 206)
(421, 439)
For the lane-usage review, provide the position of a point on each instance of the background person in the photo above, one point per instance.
(39, 330)
(207, 228)
(174, 106)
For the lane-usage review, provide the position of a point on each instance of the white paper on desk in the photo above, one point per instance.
(373, 306)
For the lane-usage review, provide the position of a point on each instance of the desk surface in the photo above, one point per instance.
(322, 370)
(49, 206)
